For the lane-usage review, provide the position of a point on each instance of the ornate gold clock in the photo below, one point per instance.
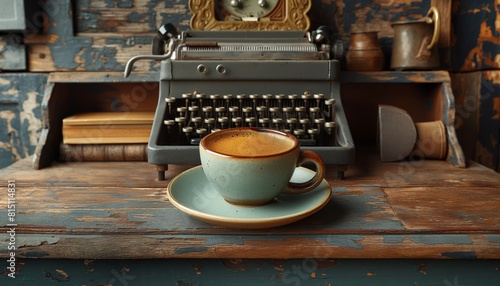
(250, 14)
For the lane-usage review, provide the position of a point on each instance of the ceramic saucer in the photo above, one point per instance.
(191, 193)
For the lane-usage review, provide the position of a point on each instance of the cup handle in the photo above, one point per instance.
(434, 12)
(299, 188)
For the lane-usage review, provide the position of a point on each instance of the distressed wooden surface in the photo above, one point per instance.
(94, 210)
(478, 115)
(395, 77)
(20, 115)
(244, 272)
(99, 35)
(476, 33)
(488, 141)
(12, 53)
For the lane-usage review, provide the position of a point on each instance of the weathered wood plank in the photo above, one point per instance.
(447, 208)
(108, 33)
(309, 271)
(416, 172)
(12, 53)
(375, 15)
(395, 77)
(149, 79)
(477, 45)
(122, 209)
(466, 87)
(136, 20)
(20, 115)
(98, 246)
(455, 154)
(477, 115)
(122, 33)
(488, 136)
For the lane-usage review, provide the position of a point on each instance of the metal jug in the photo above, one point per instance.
(415, 43)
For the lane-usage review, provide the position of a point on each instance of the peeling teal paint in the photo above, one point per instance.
(495, 238)
(350, 241)
(88, 21)
(181, 21)
(476, 31)
(21, 95)
(148, 17)
(35, 254)
(191, 272)
(460, 254)
(240, 240)
(129, 41)
(77, 53)
(347, 211)
(119, 3)
(430, 239)
(190, 249)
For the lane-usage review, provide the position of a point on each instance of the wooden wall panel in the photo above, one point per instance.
(477, 115)
(475, 54)
(20, 115)
(12, 52)
(99, 35)
(465, 88)
(488, 140)
(129, 17)
(476, 35)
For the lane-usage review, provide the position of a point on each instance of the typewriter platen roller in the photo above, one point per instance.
(211, 80)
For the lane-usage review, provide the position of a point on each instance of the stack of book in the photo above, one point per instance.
(106, 136)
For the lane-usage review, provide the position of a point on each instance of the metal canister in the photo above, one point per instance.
(415, 43)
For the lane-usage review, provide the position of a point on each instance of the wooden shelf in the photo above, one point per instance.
(425, 95)
(70, 93)
(395, 77)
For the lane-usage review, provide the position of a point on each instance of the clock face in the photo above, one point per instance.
(250, 14)
(250, 10)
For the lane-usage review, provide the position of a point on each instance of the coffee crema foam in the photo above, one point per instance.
(250, 143)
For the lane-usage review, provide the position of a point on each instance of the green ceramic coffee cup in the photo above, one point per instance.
(251, 166)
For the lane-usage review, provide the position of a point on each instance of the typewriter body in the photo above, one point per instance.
(211, 80)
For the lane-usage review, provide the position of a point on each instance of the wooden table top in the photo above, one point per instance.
(118, 210)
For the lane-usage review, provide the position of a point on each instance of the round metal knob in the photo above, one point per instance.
(220, 69)
(202, 69)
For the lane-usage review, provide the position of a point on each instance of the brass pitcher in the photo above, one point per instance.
(415, 43)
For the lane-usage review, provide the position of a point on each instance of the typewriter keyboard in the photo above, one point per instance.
(308, 116)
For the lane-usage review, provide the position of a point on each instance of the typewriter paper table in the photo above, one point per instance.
(435, 222)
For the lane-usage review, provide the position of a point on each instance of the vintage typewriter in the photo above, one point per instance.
(211, 80)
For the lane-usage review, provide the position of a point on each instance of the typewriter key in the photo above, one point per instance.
(237, 121)
(250, 121)
(277, 122)
(264, 122)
